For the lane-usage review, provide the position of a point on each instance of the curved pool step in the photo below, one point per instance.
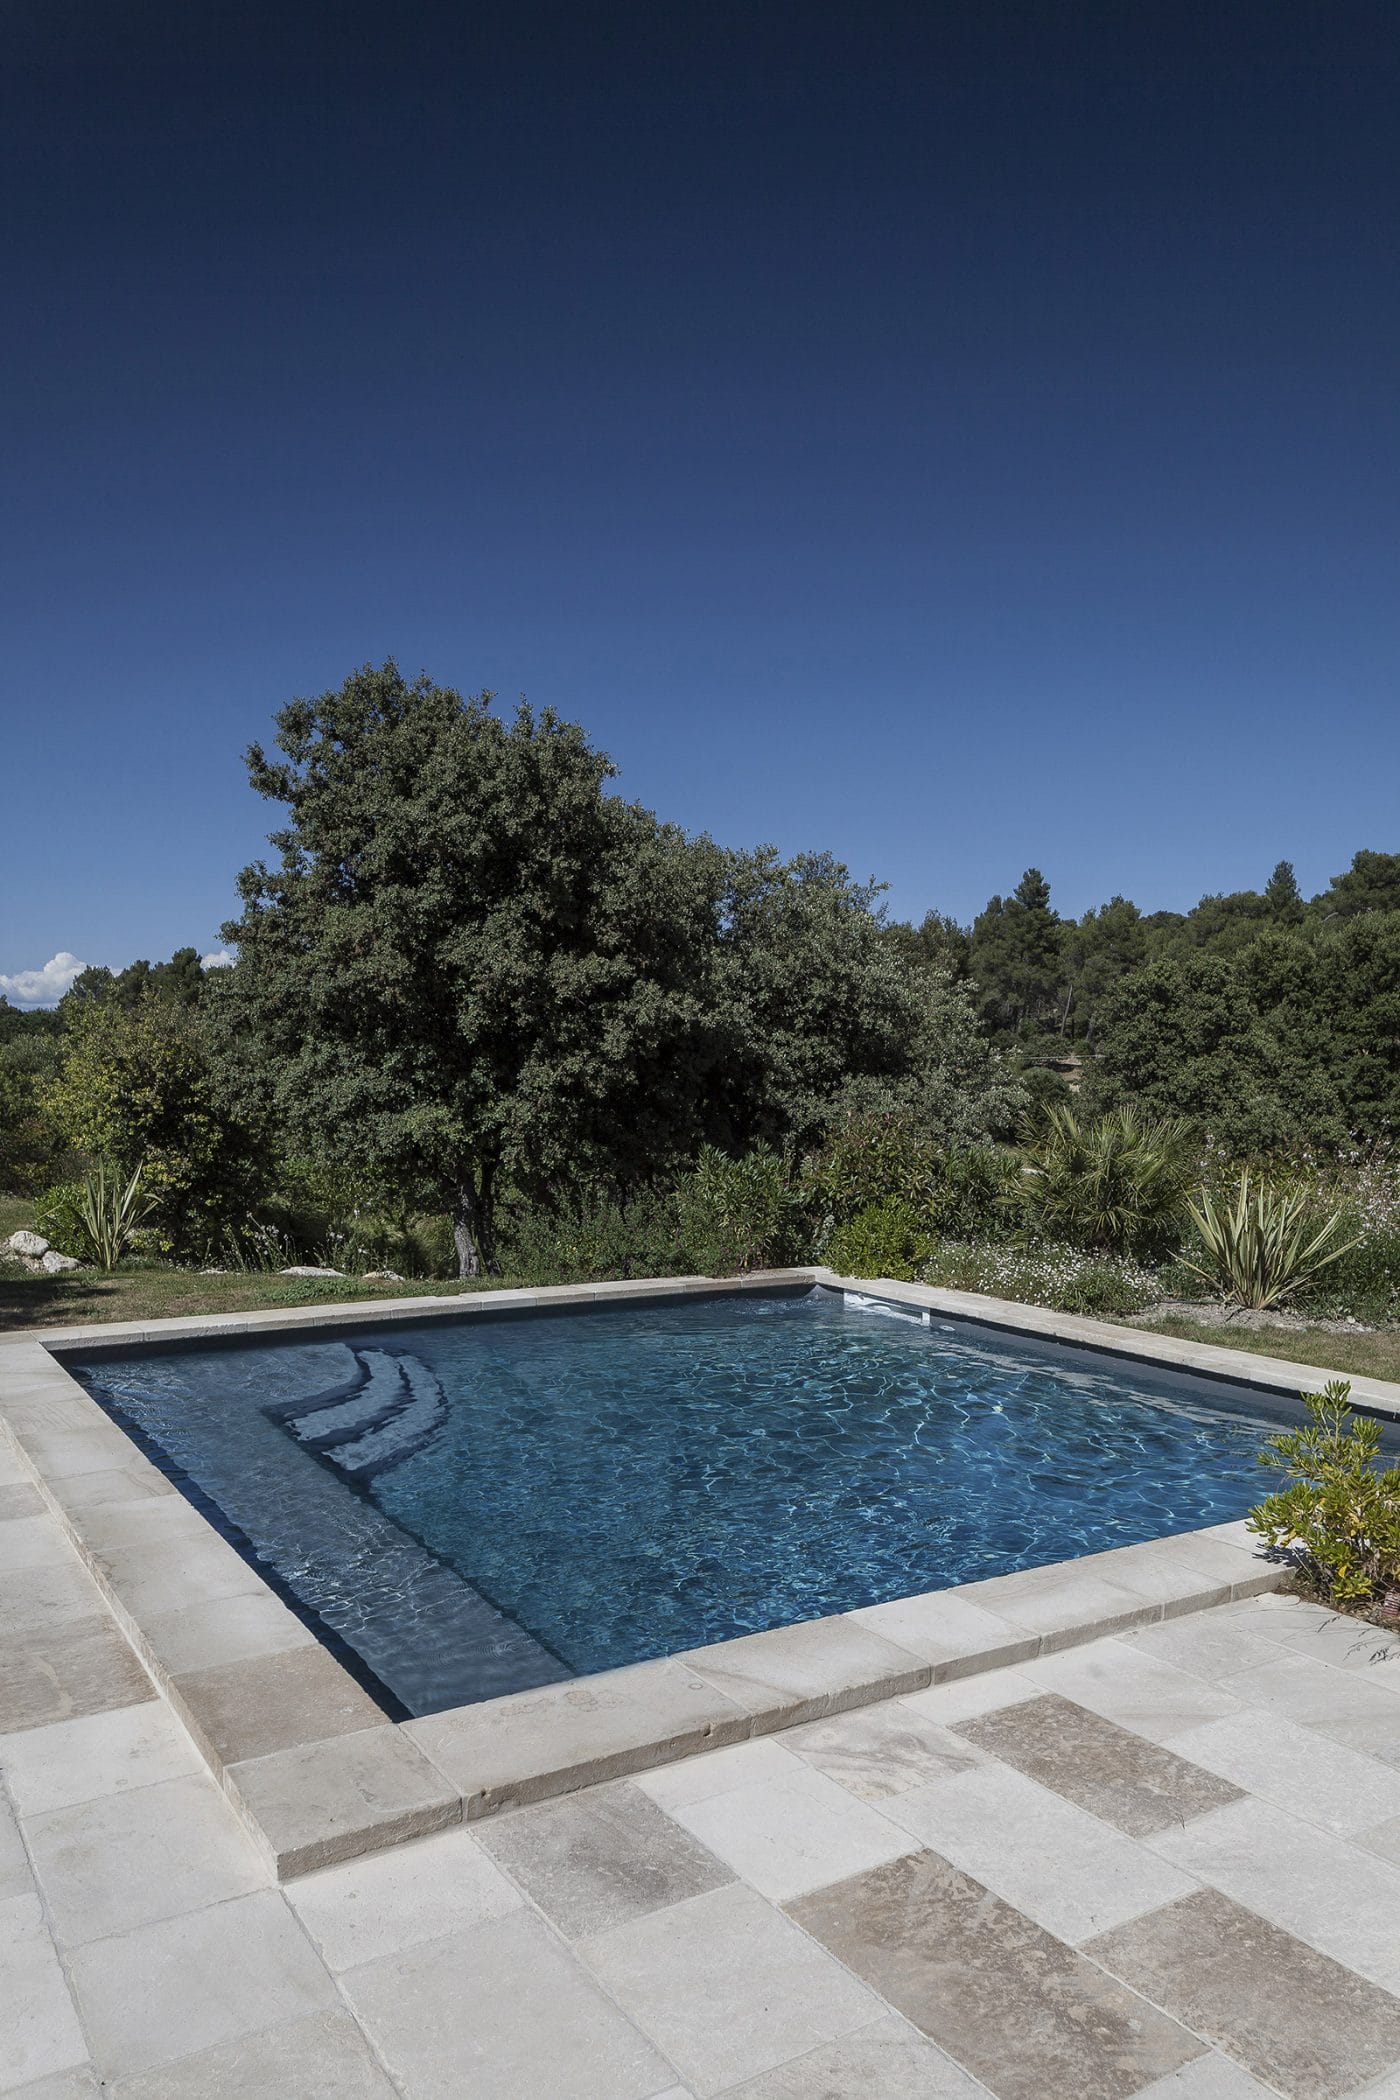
(406, 1431)
(379, 1395)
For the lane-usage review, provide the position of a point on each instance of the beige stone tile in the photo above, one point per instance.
(803, 1672)
(1060, 1602)
(1122, 1778)
(321, 2057)
(600, 1858)
(61, 1593)
(1209, 1644)
(961, 1697)
(1030, 2017)
(77, 2084)
(398, 1898)
(533, 1744)
(20, 1500)
(33, 1542)
(948, 1631)
(1342, 1705)
(1346, 1643)
(500, 2011)
(785, 1836)
(875, 1751)
(330, 1801)
(1135, 1689)
(230, 1630)
(1065, 1869)
(86, 1447)
(1339, 1898)
(194, 1568)
(1384, 1841)
(15, 1877)
(887, 2061)
(1210, 2077)
(720, 1771)
(1161, 1572)
(242, 1710)
(39, 2030)
(65, 1671)
(167, 1990)
(127, 1859)
(728, 1987)
(100, 1754)
(1309, 2027)
(1298, 1770)
(135, 1481)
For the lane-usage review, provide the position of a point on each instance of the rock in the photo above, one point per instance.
(311, 1272)
(31, 1243)
(381, 1276)
(56, 1264)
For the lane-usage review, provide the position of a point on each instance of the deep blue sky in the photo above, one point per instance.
(954, 436)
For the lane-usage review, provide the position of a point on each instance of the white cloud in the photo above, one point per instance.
(42, 987)
(221, 959)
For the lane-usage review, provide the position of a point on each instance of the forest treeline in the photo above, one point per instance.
(475, 985)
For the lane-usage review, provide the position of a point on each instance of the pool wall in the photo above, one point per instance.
(311, 1760)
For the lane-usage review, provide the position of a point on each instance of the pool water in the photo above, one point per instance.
(473, 1506)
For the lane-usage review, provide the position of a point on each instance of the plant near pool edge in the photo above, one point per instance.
(1339, 1515)
(1265, 1243)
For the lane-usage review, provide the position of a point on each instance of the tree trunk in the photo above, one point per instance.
(466, 1229)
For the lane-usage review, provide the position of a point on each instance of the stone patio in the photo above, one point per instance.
(1163, 1863)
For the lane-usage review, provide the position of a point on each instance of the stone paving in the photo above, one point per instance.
(1166, 1863)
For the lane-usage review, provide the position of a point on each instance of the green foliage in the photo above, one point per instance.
(58, 1216)
(595, 1241)
(1116, 1183)
(140, 1086)
(31, 1149)
(112, 1207)
(1339, 1515)
(740, 1213)
(1097, 1286)
(1266, 1243)
(884, 1239)
(1015, 957)
(961, 1190)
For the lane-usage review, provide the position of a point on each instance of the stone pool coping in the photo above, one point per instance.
(309, 1759)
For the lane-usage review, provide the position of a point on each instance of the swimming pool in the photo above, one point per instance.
(472, 1506)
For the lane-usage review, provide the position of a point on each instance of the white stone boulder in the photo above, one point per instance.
(55, 1264)
(311, 1272)
(31, 1244)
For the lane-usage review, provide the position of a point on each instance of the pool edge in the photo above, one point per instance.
(347, 1780)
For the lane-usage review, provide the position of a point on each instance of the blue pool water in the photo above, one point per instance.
(472, 1506)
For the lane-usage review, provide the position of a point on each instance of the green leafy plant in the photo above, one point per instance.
(1066, 1278)
(740, 1213)
(1115, 1183)
(1264, 1243)
(111, 1210)
(1339, 1515)
(884, 1239)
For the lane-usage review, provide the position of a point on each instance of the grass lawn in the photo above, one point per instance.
(1369, 1355)
(85, 1296)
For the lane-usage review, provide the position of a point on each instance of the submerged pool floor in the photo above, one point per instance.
(476, 1506)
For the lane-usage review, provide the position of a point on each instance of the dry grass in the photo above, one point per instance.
(1374, 1355)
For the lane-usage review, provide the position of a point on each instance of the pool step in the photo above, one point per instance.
(364, 1427)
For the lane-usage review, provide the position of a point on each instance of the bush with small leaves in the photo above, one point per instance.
(1339, 1514)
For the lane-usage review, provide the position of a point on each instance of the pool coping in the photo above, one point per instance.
(316, 1770)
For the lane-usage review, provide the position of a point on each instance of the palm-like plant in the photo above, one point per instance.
(1117, 1182)
(1262, 1244)
(110, 1210)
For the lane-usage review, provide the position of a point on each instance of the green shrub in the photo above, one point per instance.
(1339, 1514)
(593, 1242)
(884, 1239)
(740, 1213)
(1116, 1183)
(58, 1215)
(976, 1192)
(1266, 1243)
(1363, 1280)
(1097, 1286)
(871, 1159)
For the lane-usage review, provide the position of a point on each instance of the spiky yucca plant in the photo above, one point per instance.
(110, 1209)
(1263, 1244)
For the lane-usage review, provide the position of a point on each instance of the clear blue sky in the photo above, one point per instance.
(955, 436)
